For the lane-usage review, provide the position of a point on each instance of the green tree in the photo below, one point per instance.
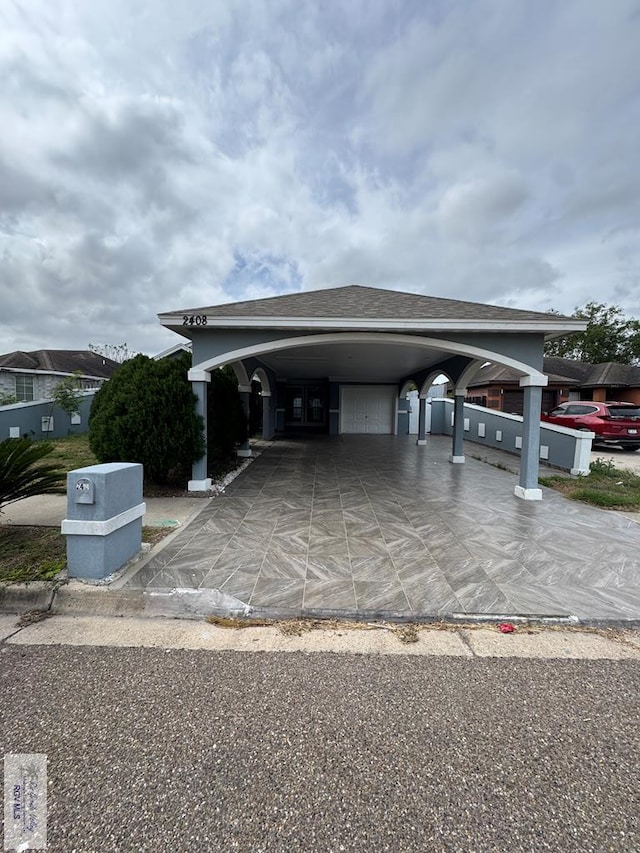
(226, 420)
(146, 413)
(67, 394)
(23, 474)
(7, 399)
(610, 336)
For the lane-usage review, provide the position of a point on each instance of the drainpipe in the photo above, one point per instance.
(528, 488)
(199, 481)
(457, 450)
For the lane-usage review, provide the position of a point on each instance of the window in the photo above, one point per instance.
(305, 404)
(24, 388)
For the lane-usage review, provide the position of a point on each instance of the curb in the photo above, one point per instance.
(20, 598)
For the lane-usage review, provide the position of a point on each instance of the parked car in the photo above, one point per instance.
(613, 423)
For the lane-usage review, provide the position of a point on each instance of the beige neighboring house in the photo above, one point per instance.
(29, 376)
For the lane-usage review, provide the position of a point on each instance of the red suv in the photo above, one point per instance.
(613, 423)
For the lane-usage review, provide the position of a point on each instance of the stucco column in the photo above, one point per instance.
(267, 427)
(422, 420)
(457, 450)
(245, 394)
(199, 481)
(528, 488)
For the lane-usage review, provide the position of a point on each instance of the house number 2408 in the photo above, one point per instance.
(194, 319)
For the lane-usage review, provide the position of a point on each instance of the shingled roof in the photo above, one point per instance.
(579, 374)
(357, 301)
(60, 361)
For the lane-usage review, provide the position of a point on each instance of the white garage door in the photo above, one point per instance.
(367, 409)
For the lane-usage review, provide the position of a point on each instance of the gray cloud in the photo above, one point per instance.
(159, 156)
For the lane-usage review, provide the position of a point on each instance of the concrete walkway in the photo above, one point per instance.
(49, 511)
(378, 527)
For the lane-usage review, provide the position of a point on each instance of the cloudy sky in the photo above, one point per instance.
(158, 155)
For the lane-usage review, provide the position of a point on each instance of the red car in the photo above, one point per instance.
(613, 423)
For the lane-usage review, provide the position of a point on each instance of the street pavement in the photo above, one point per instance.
(196, 750)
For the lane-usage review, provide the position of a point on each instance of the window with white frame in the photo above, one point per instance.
(24, 388)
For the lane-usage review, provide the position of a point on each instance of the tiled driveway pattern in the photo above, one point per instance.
(377, 524)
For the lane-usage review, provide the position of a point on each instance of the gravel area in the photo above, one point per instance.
(203, 751)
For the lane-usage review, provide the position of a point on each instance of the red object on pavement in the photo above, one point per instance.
(506, 628)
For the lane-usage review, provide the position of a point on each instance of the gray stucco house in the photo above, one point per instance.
(340, 360)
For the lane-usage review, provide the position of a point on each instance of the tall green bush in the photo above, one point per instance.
(226, 420)
(146, 413)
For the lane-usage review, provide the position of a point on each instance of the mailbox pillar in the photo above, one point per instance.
(104, 518)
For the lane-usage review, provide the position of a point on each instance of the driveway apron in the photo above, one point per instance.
(374, 525)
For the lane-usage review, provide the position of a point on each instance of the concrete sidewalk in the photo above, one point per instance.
(50, 510)
(342, 638)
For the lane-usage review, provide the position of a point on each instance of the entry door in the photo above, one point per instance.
(367, 409)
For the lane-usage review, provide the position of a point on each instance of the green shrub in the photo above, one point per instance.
(226, 420)
(146, 413)
(23, 474)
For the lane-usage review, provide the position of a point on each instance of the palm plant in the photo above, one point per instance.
(23, 473)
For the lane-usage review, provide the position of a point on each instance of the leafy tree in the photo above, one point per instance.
(116, 352)
(146, 413)
(610, 336)
(7, 399)
(68, 393)
(23, 474)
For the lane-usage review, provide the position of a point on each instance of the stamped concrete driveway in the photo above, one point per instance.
(374, 525)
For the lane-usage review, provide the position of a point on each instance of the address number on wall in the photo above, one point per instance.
(194, 319)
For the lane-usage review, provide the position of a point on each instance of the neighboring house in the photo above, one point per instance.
(341, 360)
(495, 386)
(29, 376)
(174, 352)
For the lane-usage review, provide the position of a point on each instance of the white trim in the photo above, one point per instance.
(366, 324)
(456, 460)
(528, 494)
(79, 527)
(186, 347)
(196, 375)
(421, 442)
(199, 485)
(582, 453)
(244, 453)
(367, 338)
(244, 389)
(527, 381)
(28, 371)
(263, 379)
(241, 373)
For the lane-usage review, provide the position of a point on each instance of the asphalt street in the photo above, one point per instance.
(187, 750)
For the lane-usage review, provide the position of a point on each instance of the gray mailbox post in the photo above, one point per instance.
(104, 518)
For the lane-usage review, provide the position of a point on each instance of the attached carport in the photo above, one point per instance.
(340, 360)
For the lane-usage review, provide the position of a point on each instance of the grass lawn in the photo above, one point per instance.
(72, 452)
(39, 553)
(605, 486)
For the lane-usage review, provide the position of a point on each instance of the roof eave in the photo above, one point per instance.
(553, 329)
